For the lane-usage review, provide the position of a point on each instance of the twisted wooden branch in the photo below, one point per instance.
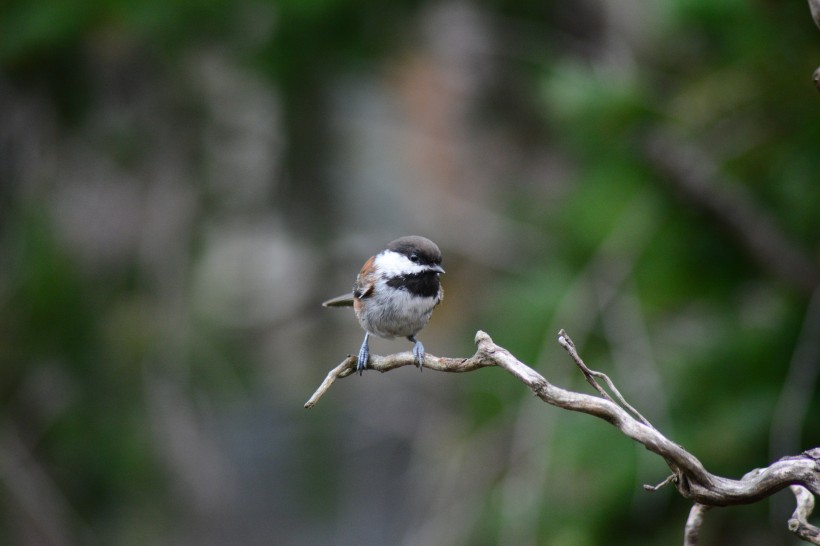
(692, 480)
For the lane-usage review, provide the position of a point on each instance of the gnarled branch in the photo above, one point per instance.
(691, 479)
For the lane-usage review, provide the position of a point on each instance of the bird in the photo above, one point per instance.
(395, 293)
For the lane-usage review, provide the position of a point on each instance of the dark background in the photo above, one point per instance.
(183, 182)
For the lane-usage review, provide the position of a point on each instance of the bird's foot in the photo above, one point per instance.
(364, 356)
(418, 351)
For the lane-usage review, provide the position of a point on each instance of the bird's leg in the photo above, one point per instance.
(364, 355)
(418, 351)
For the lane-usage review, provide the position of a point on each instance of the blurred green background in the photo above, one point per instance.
(183, 182)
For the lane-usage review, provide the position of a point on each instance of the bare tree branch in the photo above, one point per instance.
(690, 477)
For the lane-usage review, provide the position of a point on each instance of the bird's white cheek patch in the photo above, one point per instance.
(391, 264)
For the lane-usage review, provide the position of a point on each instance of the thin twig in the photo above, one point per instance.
(566, 342)
(672, 478)
(347, 367)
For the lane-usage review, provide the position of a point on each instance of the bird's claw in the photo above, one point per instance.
(418, 353)
(364, 356)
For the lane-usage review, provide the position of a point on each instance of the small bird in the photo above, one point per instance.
(395, 293)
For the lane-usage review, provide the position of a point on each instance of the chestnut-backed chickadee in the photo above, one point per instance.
(395, 293)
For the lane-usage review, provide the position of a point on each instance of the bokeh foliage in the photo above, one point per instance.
(732, 78)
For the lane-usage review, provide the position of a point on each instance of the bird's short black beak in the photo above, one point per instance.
(437, 268)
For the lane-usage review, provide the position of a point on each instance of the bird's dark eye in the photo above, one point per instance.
(414, 258)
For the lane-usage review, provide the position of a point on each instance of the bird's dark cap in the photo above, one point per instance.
(424, 248)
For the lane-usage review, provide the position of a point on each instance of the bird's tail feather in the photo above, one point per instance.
(339, 301)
